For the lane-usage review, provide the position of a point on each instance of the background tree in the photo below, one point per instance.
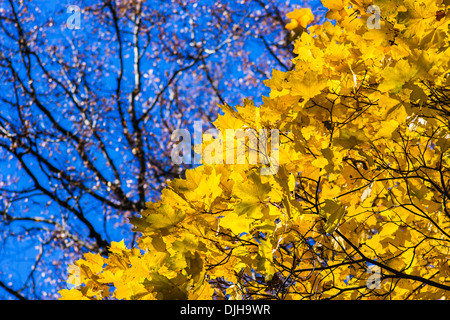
(87, 108)
(357, 205)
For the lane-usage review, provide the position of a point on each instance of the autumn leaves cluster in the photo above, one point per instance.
(363, 178)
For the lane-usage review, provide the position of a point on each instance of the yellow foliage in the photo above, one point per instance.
(363, 178)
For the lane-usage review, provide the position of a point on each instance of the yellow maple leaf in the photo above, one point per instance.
(265, 262)
(309, 86)
(117, 247)
(237, 224)
(96, 261)
(386, 129)
(320, 162)
(253, 194)
(72, 294)
(395, 77)
(333, 211)
(299, 17)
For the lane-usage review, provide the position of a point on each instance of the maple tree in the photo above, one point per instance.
(361, 187)
(88, 103)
